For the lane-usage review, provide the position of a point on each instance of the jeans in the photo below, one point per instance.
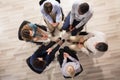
(66, 25)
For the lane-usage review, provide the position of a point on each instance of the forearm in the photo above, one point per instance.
(64, 62)
(84, 50)
(72, 59)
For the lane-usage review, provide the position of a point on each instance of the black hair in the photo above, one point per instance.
(84, 7)
(48, 7)
(38, 64)
(102, 47)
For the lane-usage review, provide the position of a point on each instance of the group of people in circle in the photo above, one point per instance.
(93, 43)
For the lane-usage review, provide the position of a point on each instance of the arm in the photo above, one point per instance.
(84, 50)
(84, 20)
(64, 62)
(72, 59)
(46, 16)
(58, 14)
(86, 37)
(72, 14)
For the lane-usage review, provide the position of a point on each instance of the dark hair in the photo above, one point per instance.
(38, 64)
(25, 33)
(84, 7)
(102, 47)
(48, 7)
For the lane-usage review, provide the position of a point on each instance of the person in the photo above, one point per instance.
(33, 33)
(44, 55)
(78, 17)
(52, 14)
(69, 63)
(94, 44)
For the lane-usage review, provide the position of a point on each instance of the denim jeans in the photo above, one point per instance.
(66, 25)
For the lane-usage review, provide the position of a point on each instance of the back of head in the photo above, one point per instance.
(101, 46)
(71, 71)
(83, 8)
(25, 33)
(38, 64)
(48, 7)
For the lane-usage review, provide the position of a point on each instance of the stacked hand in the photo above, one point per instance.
(65, 55)
(49, 50)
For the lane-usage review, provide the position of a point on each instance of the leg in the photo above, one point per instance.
(67, 22)
(52, 54)
(71, 52)
(50, 27)
(75, 31)
(50, 45)
(56, 48)
(62, 14)
(60, 57)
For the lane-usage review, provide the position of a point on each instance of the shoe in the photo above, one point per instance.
(63, 40)
(61, 30)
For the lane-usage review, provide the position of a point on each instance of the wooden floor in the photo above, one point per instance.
(13, 52)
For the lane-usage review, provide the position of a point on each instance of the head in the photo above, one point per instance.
(39, 63)
(101, 46)
(71, 71)
(26, 33)
(83, 8)
(48, 7)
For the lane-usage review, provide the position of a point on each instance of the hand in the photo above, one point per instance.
(55, 24)
(49, 50)
(71, 28)
(80, 46)
(65, 55)
(81, 40)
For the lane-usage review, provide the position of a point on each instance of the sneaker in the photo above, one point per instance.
(63, 40)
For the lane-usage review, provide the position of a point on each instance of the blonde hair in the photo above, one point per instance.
(71, 71)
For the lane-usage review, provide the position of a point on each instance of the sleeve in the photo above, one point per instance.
(84, 50)
(72, 59)
(47, 17)
(84, 20)
(33, 26)
(72, 14)
(58, 16)
(64, 62)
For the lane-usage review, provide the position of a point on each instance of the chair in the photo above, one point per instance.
(26, 22)
(30, 66)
